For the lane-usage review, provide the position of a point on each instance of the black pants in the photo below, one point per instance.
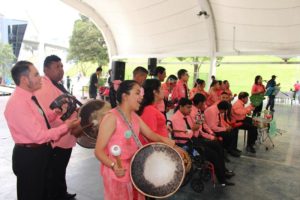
(271, 102)
(30, 167)
(257, 110)
(252, 130)
(229, 139)
(214, 153)
(57, 184)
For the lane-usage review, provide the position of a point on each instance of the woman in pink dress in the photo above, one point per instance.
(149, 113)
(119, 127)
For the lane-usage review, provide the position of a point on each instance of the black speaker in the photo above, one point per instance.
(152, 63)
(118, 70)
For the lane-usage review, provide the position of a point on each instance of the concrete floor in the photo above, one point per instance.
(272, 174)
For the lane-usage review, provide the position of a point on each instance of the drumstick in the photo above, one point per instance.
(115, 150)
(94, 123)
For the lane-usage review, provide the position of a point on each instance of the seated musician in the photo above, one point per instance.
(197, 114)
(239, 114)
(184, 126)
(214, 119)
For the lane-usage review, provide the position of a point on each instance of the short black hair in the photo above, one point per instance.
(172, 77)
(243, 95)
(140, 69)
(184, 101)
(223, 105)
(159, 70)
(99, 69)
(199, 98)
(181, 72)
(49, 59)
(21, 68)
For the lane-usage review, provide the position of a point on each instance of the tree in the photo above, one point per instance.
(87, 45)
(198, 61)
(7, 57)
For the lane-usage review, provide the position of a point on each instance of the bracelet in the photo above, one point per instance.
(112, 165)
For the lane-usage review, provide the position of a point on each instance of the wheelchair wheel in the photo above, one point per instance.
(197, 185)
(205, 175)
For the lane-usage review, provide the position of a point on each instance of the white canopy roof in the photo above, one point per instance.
(162, 28)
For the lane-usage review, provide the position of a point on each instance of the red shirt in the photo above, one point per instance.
(239, 111)
(26, 122)
(258, 88)
(155, 120)
(180, 90)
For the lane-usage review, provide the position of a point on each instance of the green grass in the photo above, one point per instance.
(240, 76)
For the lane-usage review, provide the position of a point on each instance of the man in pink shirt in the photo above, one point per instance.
(181, 89)
(62, 148)
(31, 132)
(213, 118)
(239, 114)
(184, 126)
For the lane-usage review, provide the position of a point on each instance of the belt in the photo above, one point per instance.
(33, 145)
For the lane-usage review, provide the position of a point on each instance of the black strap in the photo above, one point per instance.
(44, 115)
(187, 123)
(135, 137)
(64, 90)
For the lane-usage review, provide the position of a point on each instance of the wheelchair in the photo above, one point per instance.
(201, 170)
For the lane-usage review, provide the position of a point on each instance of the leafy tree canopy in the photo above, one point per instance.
(7, 58)
(87, 44)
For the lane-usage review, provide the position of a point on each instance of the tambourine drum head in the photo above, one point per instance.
(157, 170)
(91, 114)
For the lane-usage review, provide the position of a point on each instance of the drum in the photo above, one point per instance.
(91, 114)
(187, 161)
(157, 170)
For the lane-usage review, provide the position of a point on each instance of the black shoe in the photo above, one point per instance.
(226, 183)
(272, 110)
(226, 159)
(234, 153)
(250, 149)
(68, 196)
(237, 150)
